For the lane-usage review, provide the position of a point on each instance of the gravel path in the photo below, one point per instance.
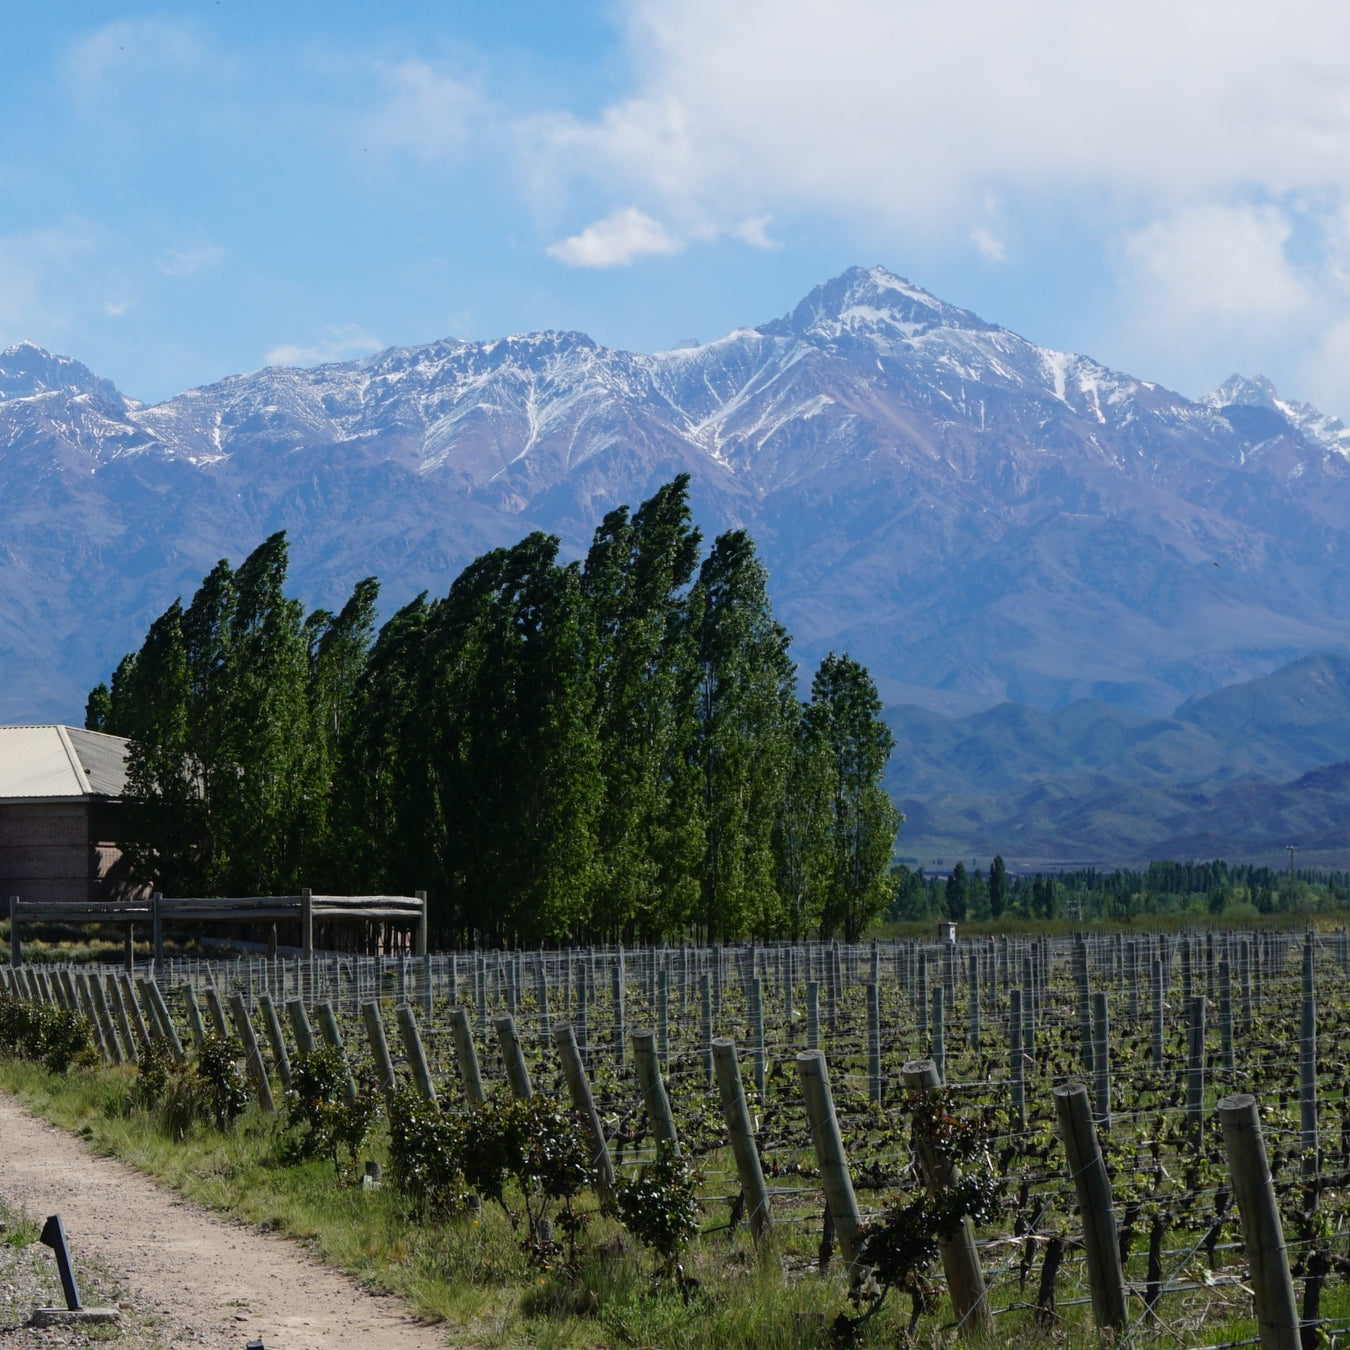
(193, 1278)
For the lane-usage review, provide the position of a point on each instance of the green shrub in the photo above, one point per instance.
(322, 1121)
(425, 1155)
(222, 1080)
(660, 1205)
(40, 1031)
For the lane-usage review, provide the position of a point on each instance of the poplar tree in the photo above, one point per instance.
(845, 711)
(642, 660)
(747, 708)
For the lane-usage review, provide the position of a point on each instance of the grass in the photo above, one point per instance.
(468, 1272)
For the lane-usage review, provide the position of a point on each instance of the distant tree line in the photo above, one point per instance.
(1239, 890)
(606, 749)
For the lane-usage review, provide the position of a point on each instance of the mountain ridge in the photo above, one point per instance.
(976, 517)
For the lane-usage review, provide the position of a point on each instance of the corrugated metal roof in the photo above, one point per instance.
(58, 761)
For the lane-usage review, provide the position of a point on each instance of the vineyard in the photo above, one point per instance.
(881, 1120)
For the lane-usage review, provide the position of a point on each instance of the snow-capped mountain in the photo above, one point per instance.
(973, 515)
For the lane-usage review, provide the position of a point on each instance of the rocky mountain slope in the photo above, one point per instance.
(976, 517)
(1240, 773)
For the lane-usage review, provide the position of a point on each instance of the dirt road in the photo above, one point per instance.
(211, 1282)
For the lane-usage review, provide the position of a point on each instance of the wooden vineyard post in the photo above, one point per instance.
(165, 1021)
(663, 1017)
(1195, 1068)
(1101, 1058)
(813, 1015)
(1156, 980)
(332, 1037)
(654, 1097)
(257, 1070)
(960, 1260)
(737, 1116)
(1087, 1171)
(215, 1010)
(975, 999)
(617, 1002)
(756, 994)
(157, 931)
(939, 1041)
(300, 1027)
(15, 946)
(276, 1039)
(1307, 1084)
(1226, 1017)
(706, 1025)
(105, 1022)
(412, 1049)
(119, 1012)
(379, 1047)
(829, 1150)
(579, 1087)
(1245, 978)
(873, 1044)
(517, 1071)
(1262, 1234)
(1015, 1066)
(466, 1056)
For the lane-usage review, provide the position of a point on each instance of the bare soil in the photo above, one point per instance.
(196, 1278)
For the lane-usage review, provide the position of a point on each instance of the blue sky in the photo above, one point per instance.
(191, 190)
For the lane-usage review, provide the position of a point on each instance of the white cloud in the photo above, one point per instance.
(912, 112)
(130, 48)
(991, 247)
(753, 231)
(616, 241)
(37, 270)
(423, 110)
(336, 344)
(1226, 263)
(187, 262)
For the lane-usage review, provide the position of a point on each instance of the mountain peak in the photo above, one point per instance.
(1241, 392)
(871, 302)
(27, 370)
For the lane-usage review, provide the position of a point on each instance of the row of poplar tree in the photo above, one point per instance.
(611, 749)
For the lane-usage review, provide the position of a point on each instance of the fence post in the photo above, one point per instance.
(466, 1056)
(960, 1260)
(1156, 980)
(1195, 1071)
(214, 1007)
(579, 1086)
(252, 1055)
(15, 946)
(1087, 1171)
(157, 930)
(517, 1071)
(654, 1090)
(412, 1048)
(161, 1008)
(379, 1047)
(737, 1116)
(829, 1149)
(105, 1023)
(276, 1039)
(304, 1033)
(1262, 1235)
(1101, 1057)
(332, 1035)
(119, 1012)
(1307, 1083)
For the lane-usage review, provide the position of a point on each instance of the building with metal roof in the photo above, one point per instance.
(60, 814)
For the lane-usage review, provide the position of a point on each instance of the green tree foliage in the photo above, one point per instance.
(747, 711)
(845, 712)
(957, 893)
(554, 751)
(998, 886)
